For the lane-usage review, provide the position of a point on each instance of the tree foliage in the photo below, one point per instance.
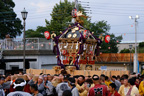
(39, 32)
(111, 47)
(125, 51)
(9, 23)
(141, 44)
(61, 16)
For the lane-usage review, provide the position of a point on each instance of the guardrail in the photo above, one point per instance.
(31, 44)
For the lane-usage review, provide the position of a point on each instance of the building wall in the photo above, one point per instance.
(47, 62)
(43, 62)
(9, 65)
(121, 46)
(115, 67)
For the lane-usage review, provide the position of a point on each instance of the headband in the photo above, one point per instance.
(21, 84)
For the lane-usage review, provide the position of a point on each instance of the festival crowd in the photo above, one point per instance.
(66, 85)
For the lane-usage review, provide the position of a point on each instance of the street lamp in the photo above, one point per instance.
(136, 58)
(24, 16)
(130, 47)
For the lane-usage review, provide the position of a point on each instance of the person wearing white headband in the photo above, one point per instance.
(48, 86)
(19, 87)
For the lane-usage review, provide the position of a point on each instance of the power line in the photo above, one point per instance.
(115, 3)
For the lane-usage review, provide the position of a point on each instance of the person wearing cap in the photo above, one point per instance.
(74, 90)
(98, 89)
(19, 87)
(48, 86)
(113, 92)
(63, 86)
(40, 84)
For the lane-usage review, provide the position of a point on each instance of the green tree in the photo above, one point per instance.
(141, 47)
(101, 27)
(125, 51)
(141, 44)
(9, 23)
(60, 16)
(39, 32)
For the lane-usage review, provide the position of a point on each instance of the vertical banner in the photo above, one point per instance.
(137, 66)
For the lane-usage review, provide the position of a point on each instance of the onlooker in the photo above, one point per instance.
(118, 77)
(113, 92)
(137, 82)
(123, 90)
(67, 93)
(19, 86)
(80, 85)
(141, 88)
(74, 90)
(63, 86)
(107, 81)
(88, 85)
(34, 90)
(122, 81)
(98, 89)
(117, 83)
(133, 91)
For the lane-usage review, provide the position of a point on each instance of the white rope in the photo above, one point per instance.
(77, 45)
(72, 45)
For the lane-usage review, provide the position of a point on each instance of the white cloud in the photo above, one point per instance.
(42, 6)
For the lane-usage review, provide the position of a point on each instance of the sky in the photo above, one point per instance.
(115, 12)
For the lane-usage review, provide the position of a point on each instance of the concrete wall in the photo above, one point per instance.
(47, 62)
(43, 62)
(45, 59)
(9, 65)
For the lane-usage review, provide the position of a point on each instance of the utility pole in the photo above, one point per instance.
(136, 57)
(135, 69)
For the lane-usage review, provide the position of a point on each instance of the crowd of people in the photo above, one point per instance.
(66, 85)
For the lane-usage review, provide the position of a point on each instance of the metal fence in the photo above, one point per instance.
(31, 44)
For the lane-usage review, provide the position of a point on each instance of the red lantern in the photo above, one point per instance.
(107, 38)
(47, 35)
(74, 13)
(86, 34)
(64, 52)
